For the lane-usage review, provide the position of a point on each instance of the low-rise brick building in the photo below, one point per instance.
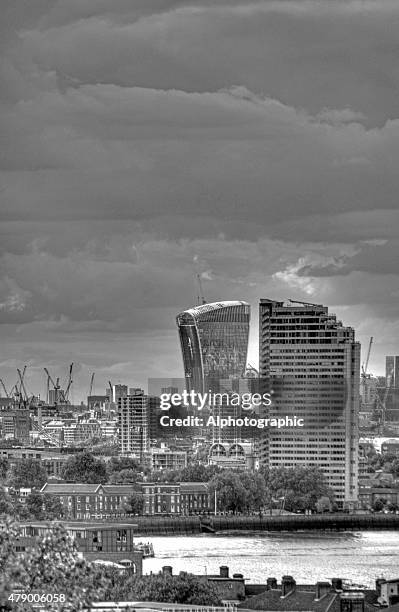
(87, 501)
(195, 498)
(161, 498)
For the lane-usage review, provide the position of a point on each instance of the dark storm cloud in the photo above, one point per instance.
(255, 143)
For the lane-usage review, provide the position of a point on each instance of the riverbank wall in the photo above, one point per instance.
(316, 522)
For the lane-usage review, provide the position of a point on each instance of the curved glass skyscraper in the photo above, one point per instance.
(214, 343)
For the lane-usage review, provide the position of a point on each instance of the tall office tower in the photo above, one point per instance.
(119, 391)
(391, 393)
(214, 344)
(311, 362)
(133, 421)
(392, 370)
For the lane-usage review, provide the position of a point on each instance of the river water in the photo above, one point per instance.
(307, 556)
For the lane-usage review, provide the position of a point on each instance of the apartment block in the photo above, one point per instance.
(133, 422)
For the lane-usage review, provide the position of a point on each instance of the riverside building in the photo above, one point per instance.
(311, 362)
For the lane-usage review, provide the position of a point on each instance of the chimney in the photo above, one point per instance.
(336, 584)
(351, 602)
(224, 571)
(287, 585)
(378, 584)
(271, 583)
(322, 589)
(240, 576)
(167, 570)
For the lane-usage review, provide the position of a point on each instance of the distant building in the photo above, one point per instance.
(161, 498)
(96, 542)
(89, 501)
(98, 403)
(391, 395)
(16, 423)
(388, 591)
(311, 363)
(392, 370)
(164, 458)
(231, 589)
(236, 456)
(109, 429)
(390, 447)
(53, 462)
(321, 597)
(214, 343)
(119, 391)
(133, 422)
(195, 498)
(56, 396)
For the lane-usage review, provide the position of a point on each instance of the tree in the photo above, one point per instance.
(231, 494)
(123, 477)
(4, 467)
(134, 505)
(34, 505)
(183, 589)
(84, 467)
(53, 565)
(300, 487)
(117, 464)
(199, 473)
(323, 504)
(44, 507)
(195, 472)
(28, 473)
(6, 505)
(255, 490)
(379, 504)
(53, 509)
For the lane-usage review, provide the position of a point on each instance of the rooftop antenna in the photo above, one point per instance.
(201, 298)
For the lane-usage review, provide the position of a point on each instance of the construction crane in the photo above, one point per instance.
(4, 388)
(366, 363)
(56, 387)
(383, 406)
(364, 371)
(91, 384)
(201, 298)
(22, 389)
(65, 394)
(111, 396)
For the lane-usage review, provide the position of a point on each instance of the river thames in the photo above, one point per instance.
(358, 557)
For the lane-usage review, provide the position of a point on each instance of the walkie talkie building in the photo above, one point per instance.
(214, 343)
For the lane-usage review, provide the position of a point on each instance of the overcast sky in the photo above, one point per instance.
(146, 141)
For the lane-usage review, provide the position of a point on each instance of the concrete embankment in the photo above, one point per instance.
(334, 522)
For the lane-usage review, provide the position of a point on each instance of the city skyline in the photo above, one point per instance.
(36, 378)
(145, 144)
